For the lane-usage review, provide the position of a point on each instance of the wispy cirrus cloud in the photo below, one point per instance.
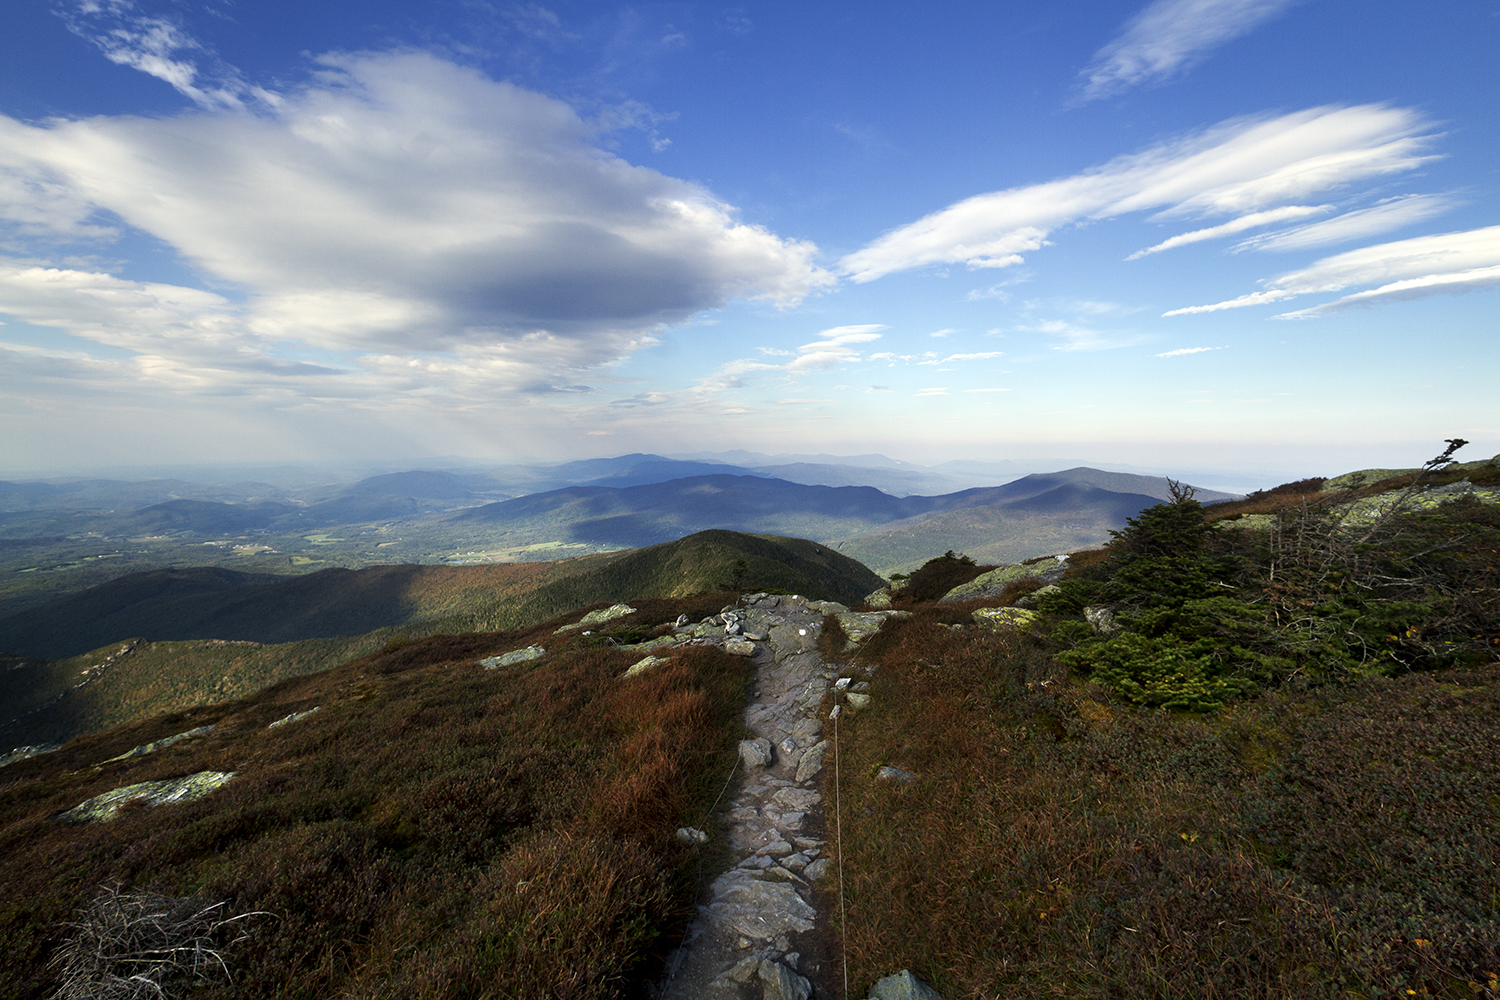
(1168, 38)
(1237, 168)
(1252, 221)
(1406, 269)
(160, 46)
(1182, 351)
(1394, 213)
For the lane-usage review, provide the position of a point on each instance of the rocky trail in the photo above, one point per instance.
(760, 933)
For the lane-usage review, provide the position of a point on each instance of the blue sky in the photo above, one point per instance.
(1259, 234)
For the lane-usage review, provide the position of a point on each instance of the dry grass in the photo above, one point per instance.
(436, 830)
(1329, 843)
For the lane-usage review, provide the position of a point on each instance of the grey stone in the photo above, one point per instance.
(781, 983)
(157, 793)
(993, 583)
(792, 820)
(514, 656)
(599, 617)
(880, 600)
(860, 625)
(888, 773)
(795, 862)
(902, 986)
(146, 748)
(692, 835)
(1102, 618)
(643, 666)
(817, 869)
(826, 607)
(738, 646)
(801, 799)
(743, 971)
(776, 849)
(856, 701)
(760, 910)
(756, 752)
(294, 717)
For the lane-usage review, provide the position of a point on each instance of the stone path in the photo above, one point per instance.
(755, 937)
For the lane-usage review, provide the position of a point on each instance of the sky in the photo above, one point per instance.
(1238, 234)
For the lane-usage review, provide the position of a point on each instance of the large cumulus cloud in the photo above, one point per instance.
(401, 203)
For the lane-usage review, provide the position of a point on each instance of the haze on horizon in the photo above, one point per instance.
(1259, 234)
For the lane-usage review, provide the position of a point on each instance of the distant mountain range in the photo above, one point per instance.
(1032, 516)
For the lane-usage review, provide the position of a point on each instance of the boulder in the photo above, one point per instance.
(880, 600)
(780, 983)
(993, 583)
(1005, 619)
(599, 617)
(157, 793)
(902, 986)
(1102, 618)
(760, 910)
(756, 752)
(642, 666)
(739, 646)
(812, 761)
(514, 656)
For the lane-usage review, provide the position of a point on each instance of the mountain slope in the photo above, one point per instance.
(1064, 518)
(658, 512)
(212, 603)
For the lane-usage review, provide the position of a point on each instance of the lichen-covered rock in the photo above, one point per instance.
(903, 986)
(860, 625)
(514, 656)
(993, 583)
(691, 835)
(739, 646)
(857, 701)
(888, 773)
(642, 666)
(287, 720)
(152, 747)
(1102, 618)
(1005, 619)
(880, 600)
(23, 753)
(157, 793)
(599, 617)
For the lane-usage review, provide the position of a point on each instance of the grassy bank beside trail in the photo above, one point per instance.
(1340, 842)
(434, 830)
(1211, 763)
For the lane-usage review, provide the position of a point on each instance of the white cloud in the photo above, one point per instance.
(1170, 36)
(1405, 269)
(403, 203)
(1244, 222)
(971, 357)
(933, 392)
(160, 47)
(833, 347)
(1391, 214)
(1237, 167)
(945, 331)
(880, 388)
(1187, 350)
